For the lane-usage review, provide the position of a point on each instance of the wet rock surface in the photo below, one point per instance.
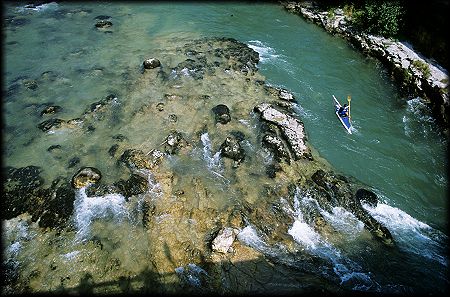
(291, 128)
(86, 176)
(184, 230)
(221, 113)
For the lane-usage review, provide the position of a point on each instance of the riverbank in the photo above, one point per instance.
(416, 75)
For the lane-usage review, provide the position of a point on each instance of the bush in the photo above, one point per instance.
(379, 17)
(423, 67)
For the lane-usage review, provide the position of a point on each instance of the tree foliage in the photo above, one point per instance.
(380, 17)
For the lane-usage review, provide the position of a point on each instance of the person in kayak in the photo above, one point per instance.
(343, 110)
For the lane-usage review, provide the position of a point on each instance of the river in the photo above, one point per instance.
(396, 147)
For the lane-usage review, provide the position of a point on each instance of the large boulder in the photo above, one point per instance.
(221, 113)
(291, 128)
(223, 241)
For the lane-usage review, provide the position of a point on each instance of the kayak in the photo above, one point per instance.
(344, 119)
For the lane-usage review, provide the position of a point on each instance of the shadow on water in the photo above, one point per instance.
(258, 276)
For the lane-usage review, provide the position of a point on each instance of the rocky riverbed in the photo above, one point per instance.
(216, 177)
(415, 74)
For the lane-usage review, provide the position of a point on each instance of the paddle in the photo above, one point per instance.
(349, 100)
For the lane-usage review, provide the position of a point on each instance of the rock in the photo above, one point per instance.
(136, 159)
(50, 123)
(86, 176)
(276, 146)
(173, 118)
(221, 113)
(339, 193)
(112, 150)
(51, 110)
(151, 63)
(31, 84)
(222, 243)
(74, 161)
(103, 24)
(231, 148)
(102, 17)
(53, 147)
(367, 196)
(135, 185)
(58, 206)
(18, 187)
(173, 142)
(100, 105)
(291, 128)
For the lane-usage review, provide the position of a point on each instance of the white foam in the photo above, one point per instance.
(191, 274)
(38, 8)
(214, 162)
(71, 255)
(265, 52)
(411, 234)
(250, 237)
(343, 221)
(87, 209)
(315, 244)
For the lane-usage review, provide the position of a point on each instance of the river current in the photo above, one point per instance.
(396, 148)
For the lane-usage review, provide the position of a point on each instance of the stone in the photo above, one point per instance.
(51, 110)
(367, 196)
(103, 24)
(86, 176)
(74, 161)
(231, 148)
(291, 128)
(135, 185)
(50, 123)
(221, 114)
(173, 142)
(223, 241)
(276, 146)
(151, 63)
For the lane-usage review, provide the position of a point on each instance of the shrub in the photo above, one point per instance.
(423, 67)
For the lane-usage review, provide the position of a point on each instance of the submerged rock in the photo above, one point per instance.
(50, 124)
(136, 159)
(51, 110)
(86, 176)
(135, 185)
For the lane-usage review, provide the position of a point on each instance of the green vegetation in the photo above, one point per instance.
(423, 67)
(422, 24)
(379, 17)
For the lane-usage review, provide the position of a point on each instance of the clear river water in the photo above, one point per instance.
(396, 148)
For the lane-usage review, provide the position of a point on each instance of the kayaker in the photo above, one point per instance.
(343, 110)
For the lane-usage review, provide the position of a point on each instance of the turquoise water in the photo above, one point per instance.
(396, 148)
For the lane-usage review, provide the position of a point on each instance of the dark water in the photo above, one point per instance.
(396, 148)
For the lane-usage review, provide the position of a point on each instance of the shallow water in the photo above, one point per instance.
(395, 148)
